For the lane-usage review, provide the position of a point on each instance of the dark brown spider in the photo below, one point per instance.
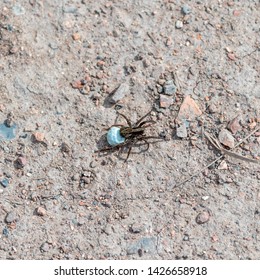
(120, 136)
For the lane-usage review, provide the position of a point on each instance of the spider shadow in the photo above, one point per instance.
(108, 102)
(102, 142)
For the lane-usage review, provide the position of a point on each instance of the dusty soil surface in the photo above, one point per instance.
(61, 64)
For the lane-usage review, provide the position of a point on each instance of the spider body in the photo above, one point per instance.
(120, 136)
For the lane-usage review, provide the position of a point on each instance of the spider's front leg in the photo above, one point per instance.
(127, 120)
(138, 123)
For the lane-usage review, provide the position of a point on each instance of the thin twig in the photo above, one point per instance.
(218, 146)
(222, 156)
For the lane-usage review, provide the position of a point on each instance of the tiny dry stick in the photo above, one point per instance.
(216, 145)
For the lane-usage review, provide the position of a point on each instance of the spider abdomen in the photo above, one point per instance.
(114, 137)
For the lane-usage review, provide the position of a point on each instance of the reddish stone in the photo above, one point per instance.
(203, 217)
(77, 84)
(234, 125)
(231, 56)
(189, 109)
(38, 136)
(165, 101)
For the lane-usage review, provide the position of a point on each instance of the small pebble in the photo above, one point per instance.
(4, 183)
(65, 148)
(20, 162)
(40, 211)
(231, 56)
(165, 101)
(11, 217)
(77, 84)
(45, 247)
(186, 9)
(5, 232)
(76, 36)
(202, 218)
(136, 228)
(9, 122)
(189, 109)
(38, 136)
(234, 125)
(226, 138)
(223, 165)
(182, 130)
(169, 87)
(93, 164)
(206, 197)
(186, 237)
(228, 49)
(149, 177)
(178, 24)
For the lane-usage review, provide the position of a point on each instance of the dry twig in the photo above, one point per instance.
(224, 152)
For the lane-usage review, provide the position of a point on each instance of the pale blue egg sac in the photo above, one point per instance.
(114, 137)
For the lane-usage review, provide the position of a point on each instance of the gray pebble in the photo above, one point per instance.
(136, 228)
(149, 177)
(11, 217)
(4, 183)
(93, 164)
(226, 138)
(45, 247)
(169, 87)
(182, 131)
(185, 9)
(5, 232)
(186, 237)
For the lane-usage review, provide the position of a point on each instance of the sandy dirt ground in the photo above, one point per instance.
(67, 68)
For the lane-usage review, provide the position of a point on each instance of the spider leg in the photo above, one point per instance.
(151, 137)
(121, 149)
(128, 154)
(139, 121)
(145, 122)
(127, 120)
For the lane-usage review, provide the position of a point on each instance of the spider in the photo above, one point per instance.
(120, 136)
